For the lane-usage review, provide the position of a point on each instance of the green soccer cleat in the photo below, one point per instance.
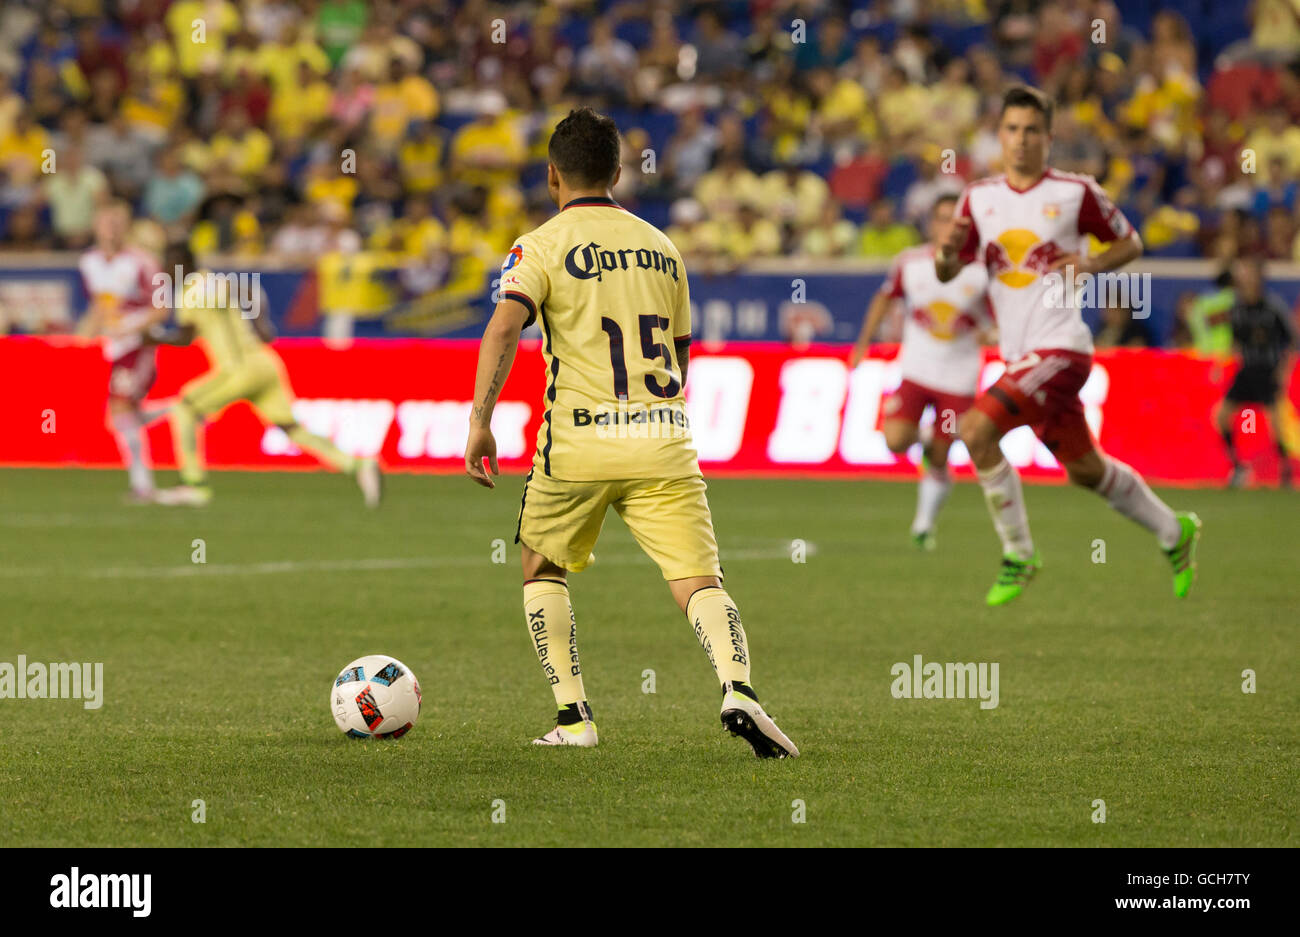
(924, 541)
(1012, 579)
(1182, 555)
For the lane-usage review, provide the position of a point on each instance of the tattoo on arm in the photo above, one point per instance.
(494, 388)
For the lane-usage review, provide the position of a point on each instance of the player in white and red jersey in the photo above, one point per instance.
(119, 285)
(1025, 226)
(939, 358)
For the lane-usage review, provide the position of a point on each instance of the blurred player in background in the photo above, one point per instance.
(610, 291)
(244, 367)
(1264, 339)
(118, 280)
(939, 359)
(1026, 223)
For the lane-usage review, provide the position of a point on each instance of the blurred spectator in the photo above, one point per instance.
(488, 151)
(73, 192)
(921, 195)
(690, 151)
(237, 120)
(831, 235)
(883, 236)
(606, 66)
(24, 232)
(123, 153)
(240, 147)
(717, 51)
(724, 190)
(23, 149)
(1057, 44)
(1276, 138)
(1208, 318)
(200, 31)
(1118, 329)
(339, 24)
(793, 195)
(842, 110)
(1279, 233)
(1275, 189)
(857, 175)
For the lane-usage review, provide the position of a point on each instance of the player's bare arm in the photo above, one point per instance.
(177, 335)
(947, 263)
(1120, 252)
(496, 355)
(870, 323)
(682, 348)
(264, 329)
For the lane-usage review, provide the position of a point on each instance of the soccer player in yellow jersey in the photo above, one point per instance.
(243, 368)
(611, 296)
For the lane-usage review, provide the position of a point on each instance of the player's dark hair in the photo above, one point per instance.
(584, 149)
(1025, 96)
(178, 254)
(942, 200)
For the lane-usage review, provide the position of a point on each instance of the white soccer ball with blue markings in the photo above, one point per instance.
(375, 696)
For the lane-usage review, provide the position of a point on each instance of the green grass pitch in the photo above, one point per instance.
(217, 675)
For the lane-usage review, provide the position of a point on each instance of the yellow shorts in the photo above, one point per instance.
(261, 382)
(669, 517)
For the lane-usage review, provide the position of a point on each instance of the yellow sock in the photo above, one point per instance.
(185, 435)
(718, 627)
(322, 449)
(550, 622)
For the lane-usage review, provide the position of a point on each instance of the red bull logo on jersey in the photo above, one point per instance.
(943, 320)
(592, 261)
(1017, 257)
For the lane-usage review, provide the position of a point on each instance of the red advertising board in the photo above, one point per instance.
(755, 409)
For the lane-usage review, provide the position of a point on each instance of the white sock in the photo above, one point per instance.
(1006, 501)
(134, 447)
(931, 493)
(1127, 493)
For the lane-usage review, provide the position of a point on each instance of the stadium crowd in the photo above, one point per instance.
(413, 133)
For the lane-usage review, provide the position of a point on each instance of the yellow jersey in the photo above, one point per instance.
(610, 293)
(210, 303)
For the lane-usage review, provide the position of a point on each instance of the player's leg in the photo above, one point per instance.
(671, 522)
(559, 523)
(1125, 491)
(901, 434)
(273, 399)
(932, 490)
(129, 380)
(901, 427)
(1279, 442)
(200, 397)
(366, 471)
(981, 429)
(1225, 413)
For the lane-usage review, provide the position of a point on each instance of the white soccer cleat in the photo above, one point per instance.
(371, 482)
(582, 734)
(743, 717)
(194, 496)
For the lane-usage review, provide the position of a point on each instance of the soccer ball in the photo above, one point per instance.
(375, 696)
